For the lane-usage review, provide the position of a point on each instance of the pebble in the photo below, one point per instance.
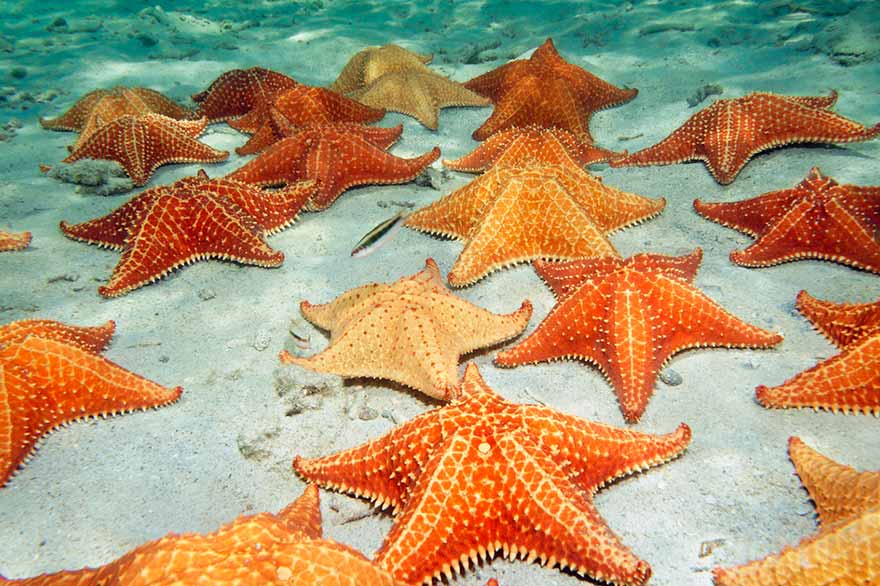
(262, 340)
(671, 377)
(207, 294)
(366, 413)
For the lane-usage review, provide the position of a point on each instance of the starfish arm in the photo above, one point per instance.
(473, 327)
(272, 211)
(352, 75)
(177, 231)
(595, 453)
(264, 137)
(848, 382)
(75, 118)
(690, 319)
(839, 492)
(843, 238)
(160, 104)
(847, 555)
(253, 120)
(823, 102)
(114, 229)
(365, 164)
(14, 240)
(333, 316)
(565, 277)
(456, 215)
(381, 470)
(485, 155)
(610, 209)
(528, 219)
(454, 515)
(841, 323)
(396, 93)
(237, 92)
(281, 163)
(495, 83)
(304, 514)
(93, 339)
(313, 105)
(791, 122)
(753, 216)
(47, 382)
(684, 144)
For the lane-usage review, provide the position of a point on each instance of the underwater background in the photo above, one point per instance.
(98, 488)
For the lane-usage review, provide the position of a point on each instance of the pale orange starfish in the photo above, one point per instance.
(846, 549)
(141, 99)
(52, 373)
(727, 134)
(254, 550)
(141, 144)
(848, 381)
(483, 475)
(14, 240)
(519, 146)
(512, 215)
(412, 331)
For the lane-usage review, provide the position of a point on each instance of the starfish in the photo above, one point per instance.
(849, 381)
(483, 474)
(239, 92)
(14, 240)
(628, 318)
(727, 134)
(818, 218)
(511, 215)
(545, 90)
(305, 105)
(253, 550)
(520, 146)
(192, 219)
(337, 156)
(370, 64)
(141, 144)
(139, 98)
(844, 550)
(52, 374)
(412, 331)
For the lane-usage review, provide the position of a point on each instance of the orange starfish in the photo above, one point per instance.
(628, 318)
(253, 550)
(14, 240)
(305, 105)
(141, 99)
(844, 550)
(52, 374)
(141, 144)
(192, 219)
(511, 215)
(816, 219)
(545, 90)
(337, 157)
(849, 381)
(727, 134)
(239, 92)
(483, 474)
(412, 331)
(520, 146)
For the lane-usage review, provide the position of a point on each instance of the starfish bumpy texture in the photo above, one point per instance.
(412, 331)
(483, 474)
(138, 99)
(240, 92)
(51, 374)
(14, 240)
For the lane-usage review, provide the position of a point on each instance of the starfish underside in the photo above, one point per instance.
(412, 331)
(628, 318)
(483, 474)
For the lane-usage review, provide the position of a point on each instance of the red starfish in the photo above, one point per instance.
(141, 144)
(337, 156)
(531, 144)
(192, 219)
(141, 99)
(545, 90)
(816, 219)
(848, 381)
(14, 240)
(51, 374)
(727, 134)
(628, 318)
(239, 92)
(305, 105)
(483, 474)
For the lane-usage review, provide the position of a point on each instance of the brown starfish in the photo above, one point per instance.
(141, 144)
(727, 134)
(336, 157)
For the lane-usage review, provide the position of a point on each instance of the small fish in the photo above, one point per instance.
(379, 235)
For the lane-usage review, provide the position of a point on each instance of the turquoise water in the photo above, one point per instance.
(97, 489)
